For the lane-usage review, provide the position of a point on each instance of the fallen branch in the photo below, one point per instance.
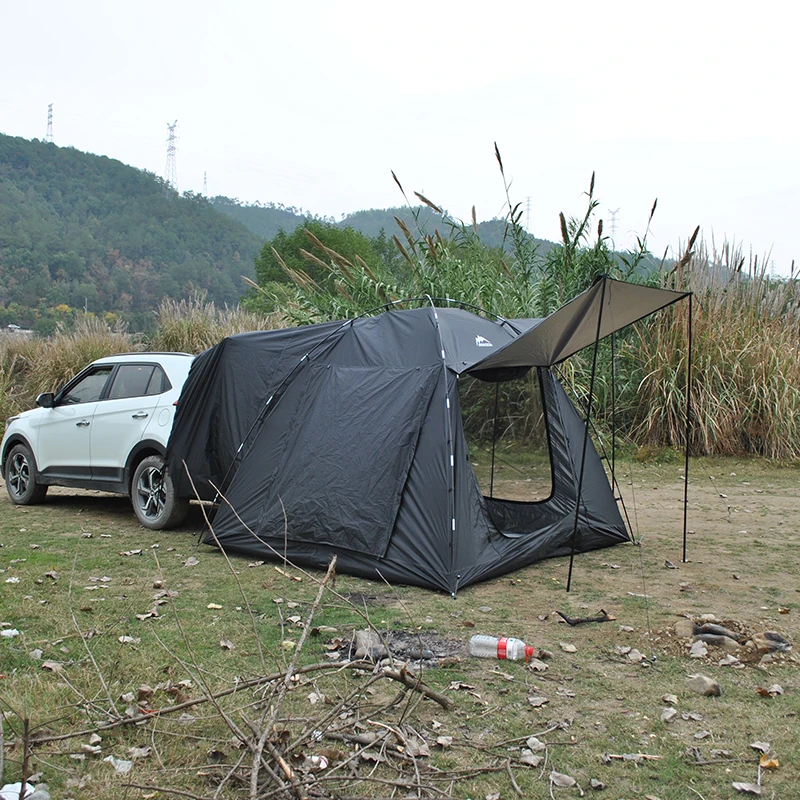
(604, 617)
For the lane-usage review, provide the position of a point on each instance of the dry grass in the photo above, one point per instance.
(195, 324)
(746, 361)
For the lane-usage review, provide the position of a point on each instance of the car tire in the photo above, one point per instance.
(153, 497)
(20, 472)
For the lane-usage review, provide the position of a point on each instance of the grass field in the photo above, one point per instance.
(115, 620)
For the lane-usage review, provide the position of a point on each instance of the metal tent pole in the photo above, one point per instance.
(586, 433)
(688, 430)
(494, 436)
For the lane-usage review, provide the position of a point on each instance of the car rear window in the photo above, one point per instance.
(132, 380)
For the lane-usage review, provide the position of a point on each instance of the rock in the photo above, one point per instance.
(668, 714)
(670, 699)
(684, 628)
(698, 649)
(704, 685)
(719, 630)
(769, 642)
(728, 644)
(635, 656)
(371, 653)
(368, 645)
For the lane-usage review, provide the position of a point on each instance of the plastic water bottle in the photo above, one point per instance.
(505, 647)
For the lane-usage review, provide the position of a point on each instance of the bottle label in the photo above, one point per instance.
(502, 647)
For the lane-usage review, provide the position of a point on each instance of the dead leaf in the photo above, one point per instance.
(567, 647)
(226, 644)
(139, 752)
(747, 788)
(147, 615)
(768, 762)
(459, 686)
(561, 780)
(213, 606)
(537, 702)
(120, 767)
(131, 552)
(144, 693)
(417, 748)
(53, 666)
(191, 562)
(444, 741)
(535, 745)
(528, 758)
(783, 610)
(129, 640)
(668, 714)
(762, 747)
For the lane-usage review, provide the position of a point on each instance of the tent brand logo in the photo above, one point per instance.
(480, 341)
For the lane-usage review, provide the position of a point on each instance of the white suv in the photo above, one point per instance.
(106, 429)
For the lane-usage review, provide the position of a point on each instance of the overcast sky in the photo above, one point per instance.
(312, 104)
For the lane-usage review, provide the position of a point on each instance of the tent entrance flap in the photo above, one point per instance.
(343, 469)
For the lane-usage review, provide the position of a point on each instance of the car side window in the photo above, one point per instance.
(158, 382)
(131, 380)
(89, 387)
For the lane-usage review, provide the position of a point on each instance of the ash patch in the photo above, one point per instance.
(425, 648)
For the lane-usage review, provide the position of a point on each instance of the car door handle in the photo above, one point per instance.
(84, 423)
(140, 415)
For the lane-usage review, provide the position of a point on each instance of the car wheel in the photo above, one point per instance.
(20, 472)
(153, 496)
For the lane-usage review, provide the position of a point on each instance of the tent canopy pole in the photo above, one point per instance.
(586, 435)
(688, 431)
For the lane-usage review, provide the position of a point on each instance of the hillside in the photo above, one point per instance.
(83, 230)
(266, 220)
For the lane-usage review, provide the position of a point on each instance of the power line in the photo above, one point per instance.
(205, 184)
(171, 172)
(49, 135)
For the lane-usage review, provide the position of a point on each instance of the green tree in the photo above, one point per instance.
(313, 255)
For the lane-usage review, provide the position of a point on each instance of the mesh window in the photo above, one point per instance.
(509, 449)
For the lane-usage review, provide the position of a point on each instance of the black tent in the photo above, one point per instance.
(347, 438)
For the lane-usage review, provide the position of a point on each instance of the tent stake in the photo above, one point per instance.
(586, 432)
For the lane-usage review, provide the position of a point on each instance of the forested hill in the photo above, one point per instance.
(79, 229)
(266, 220)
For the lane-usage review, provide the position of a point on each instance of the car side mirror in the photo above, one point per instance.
(46, 400)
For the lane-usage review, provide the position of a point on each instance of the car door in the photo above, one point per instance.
(122, 417)
(63, 446)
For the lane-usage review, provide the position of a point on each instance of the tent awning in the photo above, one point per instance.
(574, 326)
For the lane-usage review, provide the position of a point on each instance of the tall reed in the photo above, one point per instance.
(746, 329)
(195, 324)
